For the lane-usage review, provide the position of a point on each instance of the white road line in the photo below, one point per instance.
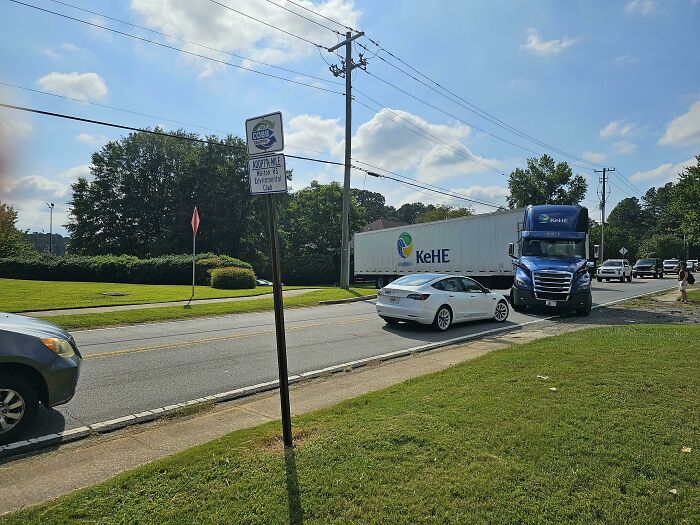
(149, 415)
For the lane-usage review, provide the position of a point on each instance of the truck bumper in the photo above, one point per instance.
(576, 301)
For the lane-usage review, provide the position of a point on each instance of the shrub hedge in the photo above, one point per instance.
(308, 269)
(167, 269)
(232, 278)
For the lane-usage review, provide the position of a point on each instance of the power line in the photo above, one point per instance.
(473, 108)
(304, 17)
(221, 144)
(323, 16)
(190, 42)
(111, 107)
(267, 24)
(161, 44)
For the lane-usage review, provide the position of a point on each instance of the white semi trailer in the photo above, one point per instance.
(476, 246)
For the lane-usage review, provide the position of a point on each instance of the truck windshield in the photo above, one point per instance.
(554, 248)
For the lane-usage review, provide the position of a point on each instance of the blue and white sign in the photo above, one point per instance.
(268, 174)
(264, 134)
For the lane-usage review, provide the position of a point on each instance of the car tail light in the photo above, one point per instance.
(418, 296)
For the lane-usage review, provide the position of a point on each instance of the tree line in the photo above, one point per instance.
(144, 187)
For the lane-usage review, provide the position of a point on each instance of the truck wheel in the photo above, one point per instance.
(517, 307)
(443, 318)
(19, 402)
(586, 309)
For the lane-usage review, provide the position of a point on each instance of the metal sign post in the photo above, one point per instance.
(268, 175)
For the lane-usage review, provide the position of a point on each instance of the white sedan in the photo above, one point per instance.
(439, 300)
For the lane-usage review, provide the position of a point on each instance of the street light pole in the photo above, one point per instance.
(50, 205)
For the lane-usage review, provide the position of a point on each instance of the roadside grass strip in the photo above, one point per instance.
(18, 295)
(596, 426)
(693, 295)
(96, 320)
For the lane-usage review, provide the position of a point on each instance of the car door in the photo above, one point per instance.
(480, 302)
(456, 298)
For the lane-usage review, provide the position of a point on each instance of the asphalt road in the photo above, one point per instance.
(132, 369)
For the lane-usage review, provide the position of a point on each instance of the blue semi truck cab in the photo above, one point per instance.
(551, 267)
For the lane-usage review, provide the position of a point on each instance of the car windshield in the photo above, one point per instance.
(612, 263)
(414, 280)
(671, 261)
(554, 248)
(646, 261)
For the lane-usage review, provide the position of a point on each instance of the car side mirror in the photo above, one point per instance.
(511, 249)
(596, 250)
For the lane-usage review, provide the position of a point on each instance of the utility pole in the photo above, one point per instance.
(50, 205)
(603, 196)
(346, 71)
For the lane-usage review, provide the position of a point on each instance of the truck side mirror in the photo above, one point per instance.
(590, 265)
(596, 250)
(511, 249)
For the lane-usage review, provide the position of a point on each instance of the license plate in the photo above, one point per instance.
(551, 303)
(393, 300)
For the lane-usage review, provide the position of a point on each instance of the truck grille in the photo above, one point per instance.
(552, 285)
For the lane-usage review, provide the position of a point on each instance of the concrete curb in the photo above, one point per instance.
(104, 427)
(351, 300)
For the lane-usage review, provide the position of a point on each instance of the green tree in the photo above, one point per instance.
(13, 242)
(662, 245)
(442, 212)
(409, 212)
(625, 227)
(685, 202)
(312, 221)
(544, 182)
(371, 204)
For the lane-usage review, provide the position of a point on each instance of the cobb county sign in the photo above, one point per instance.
(264, 134)
(268, 174)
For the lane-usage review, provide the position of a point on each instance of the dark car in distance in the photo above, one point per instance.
(652, 267)
(39, 363)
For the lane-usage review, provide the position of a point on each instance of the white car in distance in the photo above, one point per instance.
(439, 300)
(618, 269)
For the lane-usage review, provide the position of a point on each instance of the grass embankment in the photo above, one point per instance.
(95, 320)
(694, 294)
(483, 442)
(18, 295)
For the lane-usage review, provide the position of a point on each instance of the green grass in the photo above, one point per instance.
(95, 320)
(694, 295)
(17, 295)
(482, 442)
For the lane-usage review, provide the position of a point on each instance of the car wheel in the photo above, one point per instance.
(390, 320)
(622, 279)
(629, 278)
(443, 319)
(19, 402)
(661, 275)
(501, 313)
(599, 279)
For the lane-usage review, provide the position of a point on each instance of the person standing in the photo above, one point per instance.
(683, 281)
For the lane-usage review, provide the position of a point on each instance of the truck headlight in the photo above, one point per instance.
(59, 346)
(583, 282)
(522, 279)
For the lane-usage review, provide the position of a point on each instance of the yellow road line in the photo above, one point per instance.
(194, 342)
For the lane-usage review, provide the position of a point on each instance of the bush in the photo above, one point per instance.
(308, 269)
(168, 269)
(232, 278)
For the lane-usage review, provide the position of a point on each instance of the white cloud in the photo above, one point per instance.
(68, 46)
(87, 138)
(83, 86)
(73, 173)
(592, 156)
(224, 29)
(642, 7)
(618, 128)
(521, 83)
(50, 53)
(534, 43)
(624, 148)
(683, 130)
(662, 174)
(32, 186)
(488, 194)
(625, 59)
(14, 129)
(311, 132)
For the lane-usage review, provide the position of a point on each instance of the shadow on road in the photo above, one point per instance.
(296, 513)
(48, 421)
(424, 333)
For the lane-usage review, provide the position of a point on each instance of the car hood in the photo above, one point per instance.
(562, 264)
(21, 324)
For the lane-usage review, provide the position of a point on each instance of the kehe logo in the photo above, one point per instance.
(544, 218)
(404, 245)
(264, 135)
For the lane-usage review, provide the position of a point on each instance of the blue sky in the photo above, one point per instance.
(615, 83)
